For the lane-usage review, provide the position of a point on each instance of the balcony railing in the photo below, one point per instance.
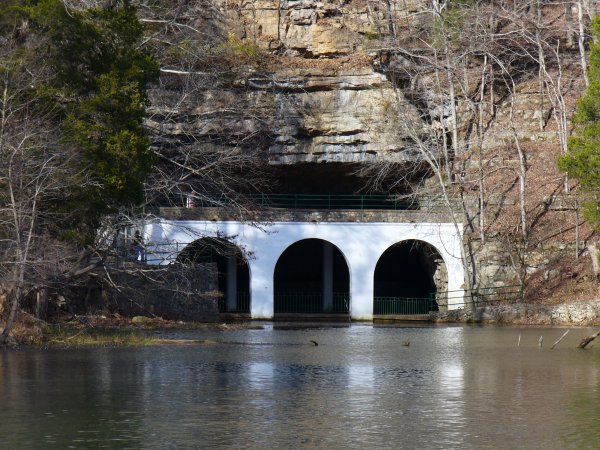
(389, 306)
(481, 296)
(310, 303)
(323, 201)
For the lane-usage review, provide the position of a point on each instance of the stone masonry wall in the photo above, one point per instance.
(175, 293)
(577, 314)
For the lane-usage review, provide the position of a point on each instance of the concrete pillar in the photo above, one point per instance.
(231, 283)
(327, 277)
(361, 289)
(261, 288)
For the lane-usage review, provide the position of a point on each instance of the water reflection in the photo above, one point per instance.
(450, 388)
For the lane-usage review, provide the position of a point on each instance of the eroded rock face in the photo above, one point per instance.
(322, 116)
(312, 115)
(317, 28)
(311, 112)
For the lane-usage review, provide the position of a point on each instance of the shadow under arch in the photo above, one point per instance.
(407, 277)
(233, 272)
(311, 277)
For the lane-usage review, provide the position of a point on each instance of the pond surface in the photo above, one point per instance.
(361, 387)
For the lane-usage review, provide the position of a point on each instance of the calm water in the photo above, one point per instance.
(453, 387)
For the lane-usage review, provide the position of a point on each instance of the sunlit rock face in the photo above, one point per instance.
(321, 116)
(325, 90)
(331, 114)
(311, 115)
(317, 28)
(321, 98)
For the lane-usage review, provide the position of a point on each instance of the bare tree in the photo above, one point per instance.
(467, 77)
(34, 170)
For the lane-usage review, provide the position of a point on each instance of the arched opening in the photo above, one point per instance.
(233, 273)
(407, 277)
(312, 277)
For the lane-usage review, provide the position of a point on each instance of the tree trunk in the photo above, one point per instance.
(570, 31)
(581, 42)
(522, 171)
(41, 303)
(13, 297)
(389, 18)
(585, 341)
(593, 249)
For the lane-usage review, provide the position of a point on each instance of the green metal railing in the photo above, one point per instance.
(310, 303)
(155, 253)
(333, 201)
(403, 305)
(481, 296)
(163, 253)
(478, 297)
(242, 304)
(330, 201)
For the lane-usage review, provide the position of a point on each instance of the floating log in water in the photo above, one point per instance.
(560, 339)
(585, 341)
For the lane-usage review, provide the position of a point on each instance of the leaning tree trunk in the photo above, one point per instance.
(593, 250)
(585, 341)
(13, 304)
(41, 303)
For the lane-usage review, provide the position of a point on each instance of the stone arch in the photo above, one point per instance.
(407, 276)
(311, 276)
(233, 271)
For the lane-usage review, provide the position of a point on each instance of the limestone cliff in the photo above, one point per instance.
(315, 91)
(345, 82)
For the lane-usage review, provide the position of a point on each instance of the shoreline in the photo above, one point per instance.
(116, 330)
(582, 314)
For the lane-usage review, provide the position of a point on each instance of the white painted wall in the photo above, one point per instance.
(361, 244)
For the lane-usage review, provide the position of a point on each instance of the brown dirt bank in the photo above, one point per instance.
(104, 330)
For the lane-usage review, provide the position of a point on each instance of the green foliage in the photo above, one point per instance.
(583, 159)
(450, 24)
(235, 55)
(97, 81)
(372, 35)
(237, 47)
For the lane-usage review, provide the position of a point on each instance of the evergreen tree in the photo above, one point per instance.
(583, 159)
(97, 81)
(73, 147)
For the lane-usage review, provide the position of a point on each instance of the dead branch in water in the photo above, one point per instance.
(585, 341)
(560, 339)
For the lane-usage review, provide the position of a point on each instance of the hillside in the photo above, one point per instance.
(473, 100)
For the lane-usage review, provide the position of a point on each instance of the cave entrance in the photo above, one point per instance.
(407, 277)
(232, 268)
(312, 277)
(341, 179)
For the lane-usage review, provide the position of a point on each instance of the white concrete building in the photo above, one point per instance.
(361, 244)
